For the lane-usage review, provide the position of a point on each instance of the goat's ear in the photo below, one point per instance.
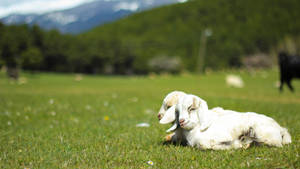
(169, 116)
(196, 103)
(203, 105)
(174, 127)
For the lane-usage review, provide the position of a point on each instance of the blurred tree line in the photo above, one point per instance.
(159, 40)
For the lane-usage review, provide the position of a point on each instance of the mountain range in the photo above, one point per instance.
(86, 16)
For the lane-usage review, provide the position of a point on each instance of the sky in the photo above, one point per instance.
(8, 7)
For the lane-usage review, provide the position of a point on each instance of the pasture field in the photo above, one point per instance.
(53, 121)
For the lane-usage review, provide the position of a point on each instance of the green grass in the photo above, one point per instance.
(73, 133)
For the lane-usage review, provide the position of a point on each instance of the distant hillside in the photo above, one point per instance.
(166, 39)
(85, 16)
(239, 27)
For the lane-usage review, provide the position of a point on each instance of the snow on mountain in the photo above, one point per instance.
(61, 18)
(86, 16)
(130, 6)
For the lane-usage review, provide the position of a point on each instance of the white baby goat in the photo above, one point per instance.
(170, 102)
(207, 129)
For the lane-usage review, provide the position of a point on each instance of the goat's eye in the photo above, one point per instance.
(168, 107)
(191, 109)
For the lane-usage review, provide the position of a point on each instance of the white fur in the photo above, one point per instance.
(170, 100)
(234, 81)
(166, 115)
(220, 129)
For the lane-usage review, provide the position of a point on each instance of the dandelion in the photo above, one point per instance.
(150, 163)
(106, 118)
(20, 151)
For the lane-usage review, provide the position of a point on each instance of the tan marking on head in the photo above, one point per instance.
(195, 104)
(173, 100)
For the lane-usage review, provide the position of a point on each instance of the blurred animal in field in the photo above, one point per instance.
(234, 81)
(289, 66)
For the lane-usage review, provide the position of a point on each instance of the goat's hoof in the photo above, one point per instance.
(169, 137)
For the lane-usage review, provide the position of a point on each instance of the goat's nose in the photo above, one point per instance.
(159, 116)
(181, 121)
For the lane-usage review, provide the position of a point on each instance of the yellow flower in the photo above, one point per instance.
(106, 118)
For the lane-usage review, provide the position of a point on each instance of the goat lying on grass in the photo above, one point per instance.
(169, 102)
(289, 69)
(207, 129)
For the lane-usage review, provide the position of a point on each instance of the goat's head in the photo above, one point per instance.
(189, 109)
(169, 103)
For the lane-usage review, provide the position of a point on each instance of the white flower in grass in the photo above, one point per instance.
(26, 118)
(9, 123)
(114, 95)
(150, 163)
(75, 120)
(78, 77)
(277, 84)
(143, 125)
(135, 99)
(105, 103)
(18, 114)
(51, 126)
(51, 101)
(53, 113)
(22, 80)
(88, 107)
(149, 111)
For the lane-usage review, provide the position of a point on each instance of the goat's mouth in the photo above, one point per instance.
(159, 116)
(183, 124)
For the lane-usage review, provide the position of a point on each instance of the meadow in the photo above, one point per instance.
(54, 121)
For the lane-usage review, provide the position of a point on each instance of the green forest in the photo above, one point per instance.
(165, 39)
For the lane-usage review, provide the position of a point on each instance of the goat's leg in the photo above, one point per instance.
(290, 85)
(281, 84)
(168, 137)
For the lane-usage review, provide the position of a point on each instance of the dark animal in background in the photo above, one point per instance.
(289, 68)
